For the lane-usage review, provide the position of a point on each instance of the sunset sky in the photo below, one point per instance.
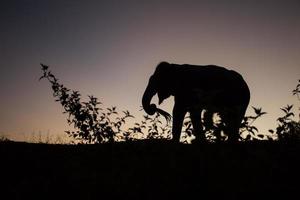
(110, 48)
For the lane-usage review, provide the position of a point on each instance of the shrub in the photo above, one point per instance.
(94, 124)
(288, 129)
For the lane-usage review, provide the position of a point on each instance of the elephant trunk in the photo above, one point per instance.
(149, 108)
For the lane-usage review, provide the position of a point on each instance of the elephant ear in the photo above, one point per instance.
(162, 95)
(163, 76)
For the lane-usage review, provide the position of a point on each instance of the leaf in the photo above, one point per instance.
(257, 110)
(284, 110)
(248, 137)
(290, 114)
(262, 113)
(44, 67)
(260, 136)
(254, 128)
(42, 77)
(51, 75)
(289, 107)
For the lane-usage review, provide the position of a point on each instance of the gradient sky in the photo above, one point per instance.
(110, 48)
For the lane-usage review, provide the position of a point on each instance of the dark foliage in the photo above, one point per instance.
(288, 129)
(94, 124)
(248, 127)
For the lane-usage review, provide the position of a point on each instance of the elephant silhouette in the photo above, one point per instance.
(199, 89)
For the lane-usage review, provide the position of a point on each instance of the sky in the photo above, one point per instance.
(110, 49)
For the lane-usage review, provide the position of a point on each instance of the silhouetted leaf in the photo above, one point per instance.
(289, 107)
(248, 137)
(254, 128)
(44, 67)
(260, 136)
(42, 77)
(290, 114)
(257, 110)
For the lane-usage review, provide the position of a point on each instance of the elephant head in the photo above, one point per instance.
(158, 84)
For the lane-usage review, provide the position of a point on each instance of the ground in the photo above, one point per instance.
(148, 170)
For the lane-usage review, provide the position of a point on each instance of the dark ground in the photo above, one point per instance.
(148, 170)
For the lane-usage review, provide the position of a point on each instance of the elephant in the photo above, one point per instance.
(198, 88)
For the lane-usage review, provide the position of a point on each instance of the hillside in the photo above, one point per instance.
(147, 170)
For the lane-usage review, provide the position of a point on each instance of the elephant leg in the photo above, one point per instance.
(233, 119)
(178, 117)
(208, 119)
(233, 130)
(197, 125)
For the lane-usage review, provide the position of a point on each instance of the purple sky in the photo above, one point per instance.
(110, 48)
